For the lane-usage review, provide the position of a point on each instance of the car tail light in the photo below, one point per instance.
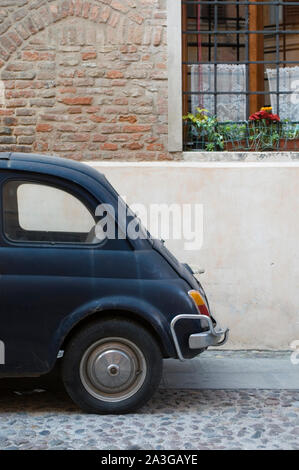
(199, 302)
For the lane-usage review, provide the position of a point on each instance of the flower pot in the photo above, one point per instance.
(236, 145)
(289, 144)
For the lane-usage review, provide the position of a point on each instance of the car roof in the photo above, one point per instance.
(35, 158)
(74, 171)
(55, 165)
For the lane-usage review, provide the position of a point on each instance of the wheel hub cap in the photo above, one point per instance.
(113, 369)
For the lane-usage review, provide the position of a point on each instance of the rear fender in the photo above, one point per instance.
(139, 309)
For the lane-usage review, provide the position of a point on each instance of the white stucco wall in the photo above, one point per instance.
(251, 238)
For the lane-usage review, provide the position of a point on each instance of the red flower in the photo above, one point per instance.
(259, 115)
(275, 117)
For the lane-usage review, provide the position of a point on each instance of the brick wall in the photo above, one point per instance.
(84, 79)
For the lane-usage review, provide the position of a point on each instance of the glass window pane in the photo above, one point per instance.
(42, 213)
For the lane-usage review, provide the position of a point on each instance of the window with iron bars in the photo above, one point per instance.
(240, 75)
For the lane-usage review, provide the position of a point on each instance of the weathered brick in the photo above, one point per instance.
(36, 55)
(5, 131)
(42, 103)
(14, 38)
(86, 9)
(155, 147)
(23, 31)
(27, 120)
(54, 12)
(5, 26)
(95, 13)
(40, 147)
(44, 128)
(10, 121)
(26, 140)
(22, 148)
(131, 119)
(89, 55)
(80, 100)
(7, 45)
(96, 118)
(133, 146)
(25, 112)
(19, 94)
(136, 128)
(75, 137)
(157, 36)
(16, 103)
(114, 20)
(105, 13)
(136, 18)
(121, 101)
(27, 75)
(4, 54)
(45, 13)
(30, 25)
(69, 89)
(97, 86)
(114, 74)
(120, 5)
(109, 146)
(7, 140)
(99, 138)
(6, 112)
(24, 131)
(78, 7)
(17, 66)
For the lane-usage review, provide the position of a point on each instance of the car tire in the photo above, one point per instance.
(112, 366)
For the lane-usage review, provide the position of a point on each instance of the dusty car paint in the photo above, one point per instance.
(47, 290)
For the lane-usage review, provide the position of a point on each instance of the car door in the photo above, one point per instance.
(50, 264)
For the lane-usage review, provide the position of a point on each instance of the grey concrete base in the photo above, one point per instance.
(197, 156)
(233, 370)
(214, 369)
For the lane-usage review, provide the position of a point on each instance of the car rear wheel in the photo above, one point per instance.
(112, 366)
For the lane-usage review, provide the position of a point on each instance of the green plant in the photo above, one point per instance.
(289, 131)
(263, 136)
(233, 133)
(203, 129)
(264, 130)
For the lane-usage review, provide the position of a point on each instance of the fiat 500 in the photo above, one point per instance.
(108, 308)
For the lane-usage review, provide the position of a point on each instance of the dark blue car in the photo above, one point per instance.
(110, 307)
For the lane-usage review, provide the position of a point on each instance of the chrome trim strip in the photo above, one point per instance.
(212, 331)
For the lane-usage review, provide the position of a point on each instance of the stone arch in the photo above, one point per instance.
(21, 26)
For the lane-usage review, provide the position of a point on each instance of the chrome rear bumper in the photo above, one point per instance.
(214, 336)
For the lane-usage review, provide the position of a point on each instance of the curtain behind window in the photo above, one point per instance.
(230, 77)
(288, 81)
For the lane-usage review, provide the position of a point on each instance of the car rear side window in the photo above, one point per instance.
(35, 212)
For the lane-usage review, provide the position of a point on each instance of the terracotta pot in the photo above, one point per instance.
(289, 145)
(237, 145)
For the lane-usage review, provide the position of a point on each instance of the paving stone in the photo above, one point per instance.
(173, 419)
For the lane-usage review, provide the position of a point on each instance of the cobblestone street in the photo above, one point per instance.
(173, 419)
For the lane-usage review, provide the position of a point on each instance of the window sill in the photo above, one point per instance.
(197, 156)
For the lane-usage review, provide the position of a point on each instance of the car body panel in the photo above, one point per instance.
(46, 290)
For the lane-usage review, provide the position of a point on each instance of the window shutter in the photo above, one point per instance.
(291, 13)
(208, 12)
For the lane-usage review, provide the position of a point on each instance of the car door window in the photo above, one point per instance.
(36, 212)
